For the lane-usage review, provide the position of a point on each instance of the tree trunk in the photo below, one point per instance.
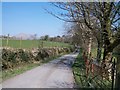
(117, 83)
(107, 55)
(89, 45)
(99, 51)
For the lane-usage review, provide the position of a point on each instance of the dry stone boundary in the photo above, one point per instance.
(14, 57)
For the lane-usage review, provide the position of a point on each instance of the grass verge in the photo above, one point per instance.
(79, 71)
(6, 74)
(89, 81)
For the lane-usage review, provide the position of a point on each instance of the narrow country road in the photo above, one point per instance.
(55, 74)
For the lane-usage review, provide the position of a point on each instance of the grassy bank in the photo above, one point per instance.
(32, 44)
(79, 71)
(87, 81)
(6, 74)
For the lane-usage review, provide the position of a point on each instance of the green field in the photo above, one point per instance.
(32, 44)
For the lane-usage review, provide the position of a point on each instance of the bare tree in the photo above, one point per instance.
(80, 35)
(105, 14)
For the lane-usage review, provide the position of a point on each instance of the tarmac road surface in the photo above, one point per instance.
(55, 74)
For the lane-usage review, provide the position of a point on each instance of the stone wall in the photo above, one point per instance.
(12, 58)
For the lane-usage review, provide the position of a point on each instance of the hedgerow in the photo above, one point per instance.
(11, 58)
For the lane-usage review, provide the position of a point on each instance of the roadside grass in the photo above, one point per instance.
(79, 71)
(87, 81)
(6, 74)
(32, 44)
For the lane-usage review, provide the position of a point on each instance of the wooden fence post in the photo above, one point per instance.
(113, 75)
(7, 40)
(20, 42)
(117, 81)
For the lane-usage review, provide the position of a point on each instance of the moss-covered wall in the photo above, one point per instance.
(14, 57)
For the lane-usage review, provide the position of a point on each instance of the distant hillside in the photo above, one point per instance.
(24, 36)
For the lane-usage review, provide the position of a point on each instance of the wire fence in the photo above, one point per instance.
(94, 75)
(101, 76)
